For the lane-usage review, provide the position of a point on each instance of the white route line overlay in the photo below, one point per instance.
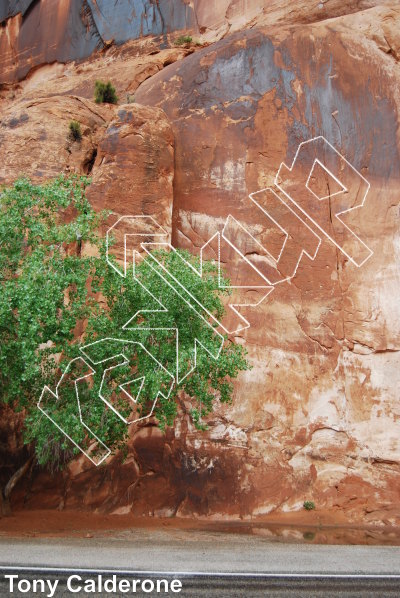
(344, 189)
(269, 286)
(56, 396)
(303, 252)
(91, 373)
(162, 234)
(121, 386)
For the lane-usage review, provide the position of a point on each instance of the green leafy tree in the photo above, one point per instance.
(202, 378)
(43, 287)
(56, 298)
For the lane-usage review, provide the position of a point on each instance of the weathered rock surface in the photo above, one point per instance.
(318, 416)
(134, 168)
(39, 32)
(35, 137)
(46, 31)
(127, 149)
(128, 66)
(217, 18)
(325, 347)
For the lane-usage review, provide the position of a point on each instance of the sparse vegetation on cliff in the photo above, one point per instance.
(104, 93)
(75, 132)
(183, 39)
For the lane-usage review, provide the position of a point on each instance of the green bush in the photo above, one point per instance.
(104, 93)
(182, 40)
(49, 289)
(308, 505)
(75, 132)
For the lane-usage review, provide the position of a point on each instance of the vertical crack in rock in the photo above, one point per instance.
(90, 24)
(89, 161)
(163, 27)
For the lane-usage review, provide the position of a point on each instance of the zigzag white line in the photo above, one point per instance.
(163, 234)
(303, 252)
(56, 396)
(337, 193)
(126, 362)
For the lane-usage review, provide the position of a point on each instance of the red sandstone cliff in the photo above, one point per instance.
(318, 416)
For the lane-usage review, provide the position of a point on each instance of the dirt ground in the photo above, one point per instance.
(309, 527)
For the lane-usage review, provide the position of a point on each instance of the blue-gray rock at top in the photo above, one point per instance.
(36, 32)
(130, 19)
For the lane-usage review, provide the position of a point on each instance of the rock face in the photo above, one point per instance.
(321, 344)
(37, 32)
(217, 18)
(128, 150)
(44, 31)
(134, 168)
(35, 139)
(318, 415)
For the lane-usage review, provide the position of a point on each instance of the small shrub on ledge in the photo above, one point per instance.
(104, 93)
(182, 40)
(75, 132)
(309, 505)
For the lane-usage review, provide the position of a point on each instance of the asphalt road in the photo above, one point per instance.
(209, 564)
(197, 551)
(218, 585)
